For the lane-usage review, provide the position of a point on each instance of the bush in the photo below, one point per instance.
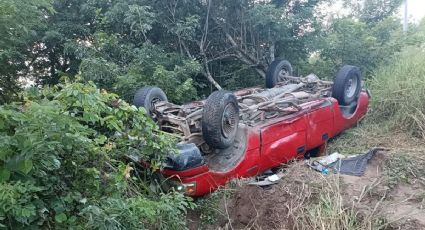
(398, 91)
(62, 163)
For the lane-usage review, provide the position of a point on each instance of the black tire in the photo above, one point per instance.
(220, 119)
(147, 96)
(274, 70)
(347, 85)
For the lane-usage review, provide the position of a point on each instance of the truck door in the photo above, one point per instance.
(283, 140)
(319, 124)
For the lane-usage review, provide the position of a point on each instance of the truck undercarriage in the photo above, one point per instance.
(255, 105)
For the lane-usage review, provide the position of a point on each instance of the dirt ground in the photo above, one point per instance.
(402, 205)
(306, 199)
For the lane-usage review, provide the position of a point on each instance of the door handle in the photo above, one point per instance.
(301, 149)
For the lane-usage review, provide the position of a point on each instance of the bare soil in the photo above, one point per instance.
(402, 207)
(286, 205)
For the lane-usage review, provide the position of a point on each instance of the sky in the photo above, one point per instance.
(416, 10)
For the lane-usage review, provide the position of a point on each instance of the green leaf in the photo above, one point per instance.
(101, 139)
(4, 175)
(25, 166)
(61, 217)
(4, 152)
(115, 125)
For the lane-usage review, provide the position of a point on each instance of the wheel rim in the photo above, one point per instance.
(153, 102)
(282, 74)
(229, 120)
(351, 87)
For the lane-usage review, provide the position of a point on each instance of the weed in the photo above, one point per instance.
(209, 208)
(404, 168)
(356, 140)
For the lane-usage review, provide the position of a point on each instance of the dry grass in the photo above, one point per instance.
(305, 199)
(370, 133)
(330, 208)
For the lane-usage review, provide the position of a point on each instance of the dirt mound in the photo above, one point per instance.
(305, 199)
(276, 206)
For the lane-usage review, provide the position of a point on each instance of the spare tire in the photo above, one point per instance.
(276, 71)
(220, 119)
(147, 96)
(347, 85)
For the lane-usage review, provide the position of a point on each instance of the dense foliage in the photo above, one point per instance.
(187, 47)
(62, 159)
(63, 145)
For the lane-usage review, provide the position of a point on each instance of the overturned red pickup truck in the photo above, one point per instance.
(244, 133)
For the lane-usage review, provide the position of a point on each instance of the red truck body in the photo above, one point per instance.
(277, 141)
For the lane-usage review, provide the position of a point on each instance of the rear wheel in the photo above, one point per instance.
(147, 96)
(347, 85)
(220, 119)
(277, 71)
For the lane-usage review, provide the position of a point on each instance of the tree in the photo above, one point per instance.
(64, 42)
(247, 33)
(366, 38)
(20, 21)
(355, 42)
(108, 42)
(373, 11)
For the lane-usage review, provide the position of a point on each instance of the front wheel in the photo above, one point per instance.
(147, 96)
(220, 119)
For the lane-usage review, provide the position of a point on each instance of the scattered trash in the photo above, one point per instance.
(269, 180)
(273, 178)
(354, 165)
(322, 165)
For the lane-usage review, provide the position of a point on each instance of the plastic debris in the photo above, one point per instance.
(273, 178)
(269, 180)
(322, 165)
(354, 165)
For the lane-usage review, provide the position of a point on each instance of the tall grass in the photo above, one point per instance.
(398, 91)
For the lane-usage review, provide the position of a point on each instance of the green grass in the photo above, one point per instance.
(359, 139)
(404, 168)
(398, 91)
(396, 118)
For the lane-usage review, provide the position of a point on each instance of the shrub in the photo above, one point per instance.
(62, 164)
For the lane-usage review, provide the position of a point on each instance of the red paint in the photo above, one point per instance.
(279, 140)
(186, 173)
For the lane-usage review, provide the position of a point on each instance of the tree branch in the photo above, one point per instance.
(245, 57)
(206, 71)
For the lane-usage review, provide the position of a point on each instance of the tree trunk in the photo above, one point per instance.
(272, 50)
(206, 72)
